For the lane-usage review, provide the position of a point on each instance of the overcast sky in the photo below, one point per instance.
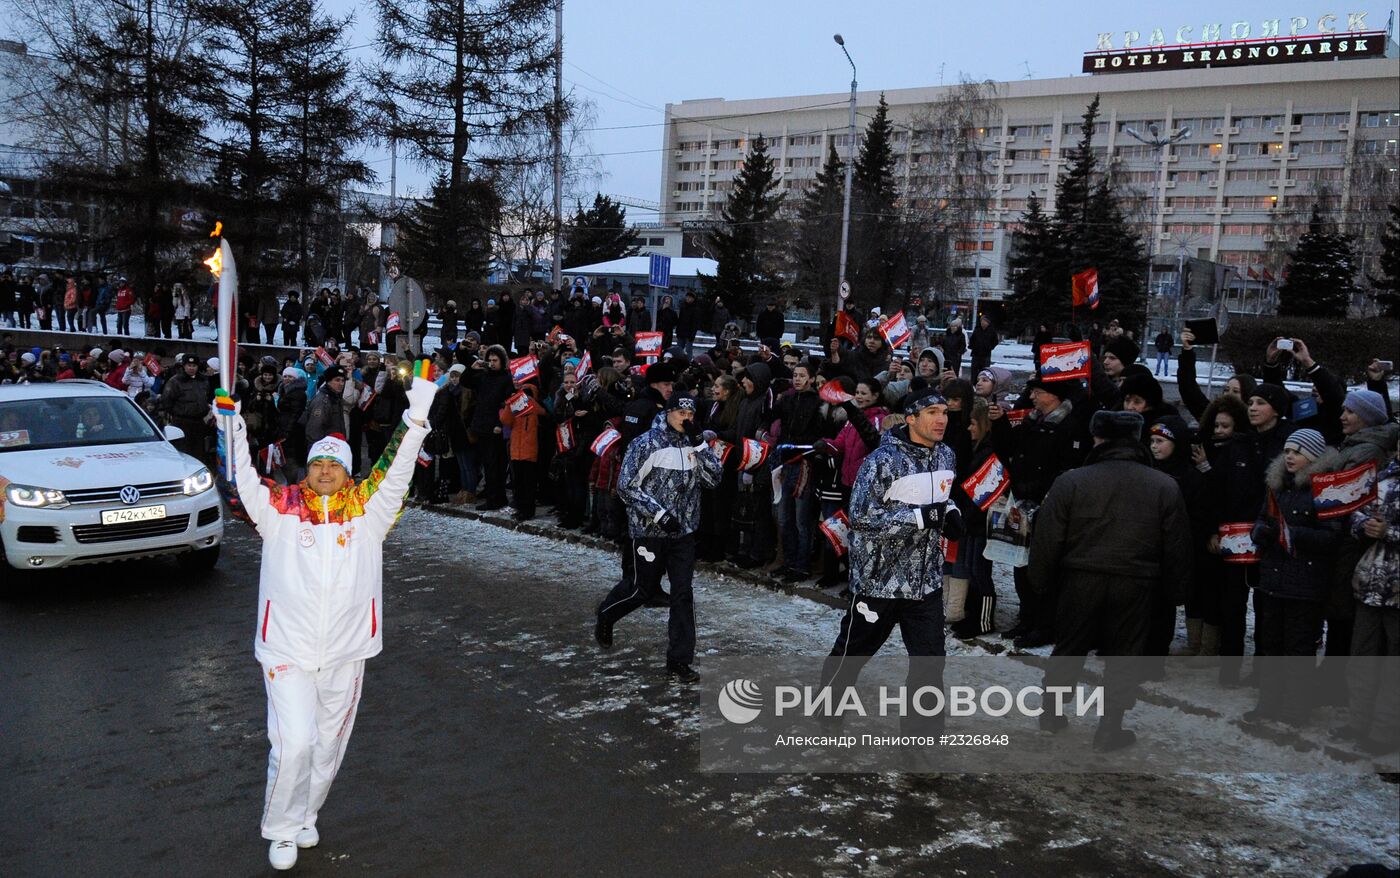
(631, 57)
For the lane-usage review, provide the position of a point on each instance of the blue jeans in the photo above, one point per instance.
(468, 467)
(1163, 363)
(797, 518)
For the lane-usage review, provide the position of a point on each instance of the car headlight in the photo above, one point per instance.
(35, 498)
(199, 482)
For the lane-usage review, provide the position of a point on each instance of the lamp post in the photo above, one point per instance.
(1155, 138)
(850, 164)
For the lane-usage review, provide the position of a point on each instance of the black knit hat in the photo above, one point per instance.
(1116, 425)
(658, 373)
(679, 401)
(1123, 348)
(1279, 399)
(1144, 386)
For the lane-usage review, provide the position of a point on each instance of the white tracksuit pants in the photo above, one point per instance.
(309, 718)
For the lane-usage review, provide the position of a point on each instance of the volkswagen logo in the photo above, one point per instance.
(129, 495)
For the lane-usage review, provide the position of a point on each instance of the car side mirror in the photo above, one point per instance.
(173, 433)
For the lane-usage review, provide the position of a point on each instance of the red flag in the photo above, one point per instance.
(1342, 493)
(525, 368)
(152, 363)
(584, 366)
(895, 329)
(1085, 287)
(755, 452)
(564, 436)
(987, 484)
(605, 441)
(649, 344)
(847, 328)
(838, 530)
(1268, 276)
(1063, 362)
(833, 393)
(1235, 545)
(721, 449)
(1253, 275)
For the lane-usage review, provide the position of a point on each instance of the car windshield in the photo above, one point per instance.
(69, 421)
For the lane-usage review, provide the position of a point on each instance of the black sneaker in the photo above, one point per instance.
(1020, 629)
(1114, 739)
(662, 598)
(602, 632)
(791, 576)
(1053, 723)
(1034, 639)
(682, 672)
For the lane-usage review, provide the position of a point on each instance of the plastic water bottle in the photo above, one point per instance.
(82, 430)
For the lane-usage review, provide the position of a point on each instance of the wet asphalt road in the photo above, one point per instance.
(494, 740)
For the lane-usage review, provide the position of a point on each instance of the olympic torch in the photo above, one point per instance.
(221, 264)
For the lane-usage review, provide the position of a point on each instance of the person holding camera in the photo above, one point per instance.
(660, 481)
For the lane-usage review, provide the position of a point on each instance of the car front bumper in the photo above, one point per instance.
(43, 539)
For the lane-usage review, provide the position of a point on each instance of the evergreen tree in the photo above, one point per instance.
(1087, 230)
(1387, 286)
(815, 263)
(871, 264)
(317, 132)
(1321, 277)
(1039, 270)
(598, 234)
(747, 239)
(445, 240)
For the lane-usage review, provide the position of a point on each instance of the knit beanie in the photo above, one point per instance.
(1279, 399)
(1123, 348)
(1144, 386)
(332, 446)
(1308, 443)
(1368, 405)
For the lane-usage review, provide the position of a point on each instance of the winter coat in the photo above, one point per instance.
(755, 415)
(954, 345)
(639, 413)
(688, 323)
(720, 319)
(663, 472)
(449, 319)
(1331, 394)
(984, 341)
(524, 427)
(1303, 573)
(863, 365)
(185, 398)
(137, 382)
(1040, 449)
(320, 588)
(1114, 515)
(325, 415)
(1236, 484)
(291, 402)
(770, 324)
(800, 417)
(182, 305)
(895, 553)
(857, 438)
(492, 390)
(125, 298)
(974, 519)
(292, 311)
(1376, 582)
(1368, 444)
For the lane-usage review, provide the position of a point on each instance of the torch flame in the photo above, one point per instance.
(218, 229)
(216, 262)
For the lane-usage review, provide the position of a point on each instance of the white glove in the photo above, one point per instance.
(420, 399)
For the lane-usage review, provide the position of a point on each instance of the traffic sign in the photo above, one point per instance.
(660, 271)
(845, 289)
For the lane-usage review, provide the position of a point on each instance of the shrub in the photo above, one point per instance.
(1344, 346)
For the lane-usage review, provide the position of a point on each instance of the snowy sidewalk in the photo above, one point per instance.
(1224, 705)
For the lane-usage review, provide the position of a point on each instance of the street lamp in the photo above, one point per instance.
(850, 164)
(1155, 138)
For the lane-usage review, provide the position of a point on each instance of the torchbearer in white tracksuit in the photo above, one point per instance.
(320, 607)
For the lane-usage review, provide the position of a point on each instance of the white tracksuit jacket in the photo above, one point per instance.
(320, 590)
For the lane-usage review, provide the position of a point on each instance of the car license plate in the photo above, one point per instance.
(130, 516)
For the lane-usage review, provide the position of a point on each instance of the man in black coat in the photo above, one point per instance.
(1110, 537)
(1049, 441)
(770, 323)
(984, 341)
(643, 409)
(688, 323)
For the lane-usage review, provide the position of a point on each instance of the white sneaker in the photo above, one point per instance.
(308, 837)
(282, 855)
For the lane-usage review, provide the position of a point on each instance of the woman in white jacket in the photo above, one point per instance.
(184, 310)
(137, 379)
(320, 599)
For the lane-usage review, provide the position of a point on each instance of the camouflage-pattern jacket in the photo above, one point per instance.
(662, 472)
(894, 553)
(1376, 582)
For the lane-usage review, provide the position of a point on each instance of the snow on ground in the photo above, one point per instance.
(1223, 823)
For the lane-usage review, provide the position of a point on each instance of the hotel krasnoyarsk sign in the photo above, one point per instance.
(1270, 44)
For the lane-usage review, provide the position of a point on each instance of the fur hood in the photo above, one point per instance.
(1278, 479)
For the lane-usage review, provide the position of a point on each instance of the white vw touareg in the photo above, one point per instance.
(87, 476)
